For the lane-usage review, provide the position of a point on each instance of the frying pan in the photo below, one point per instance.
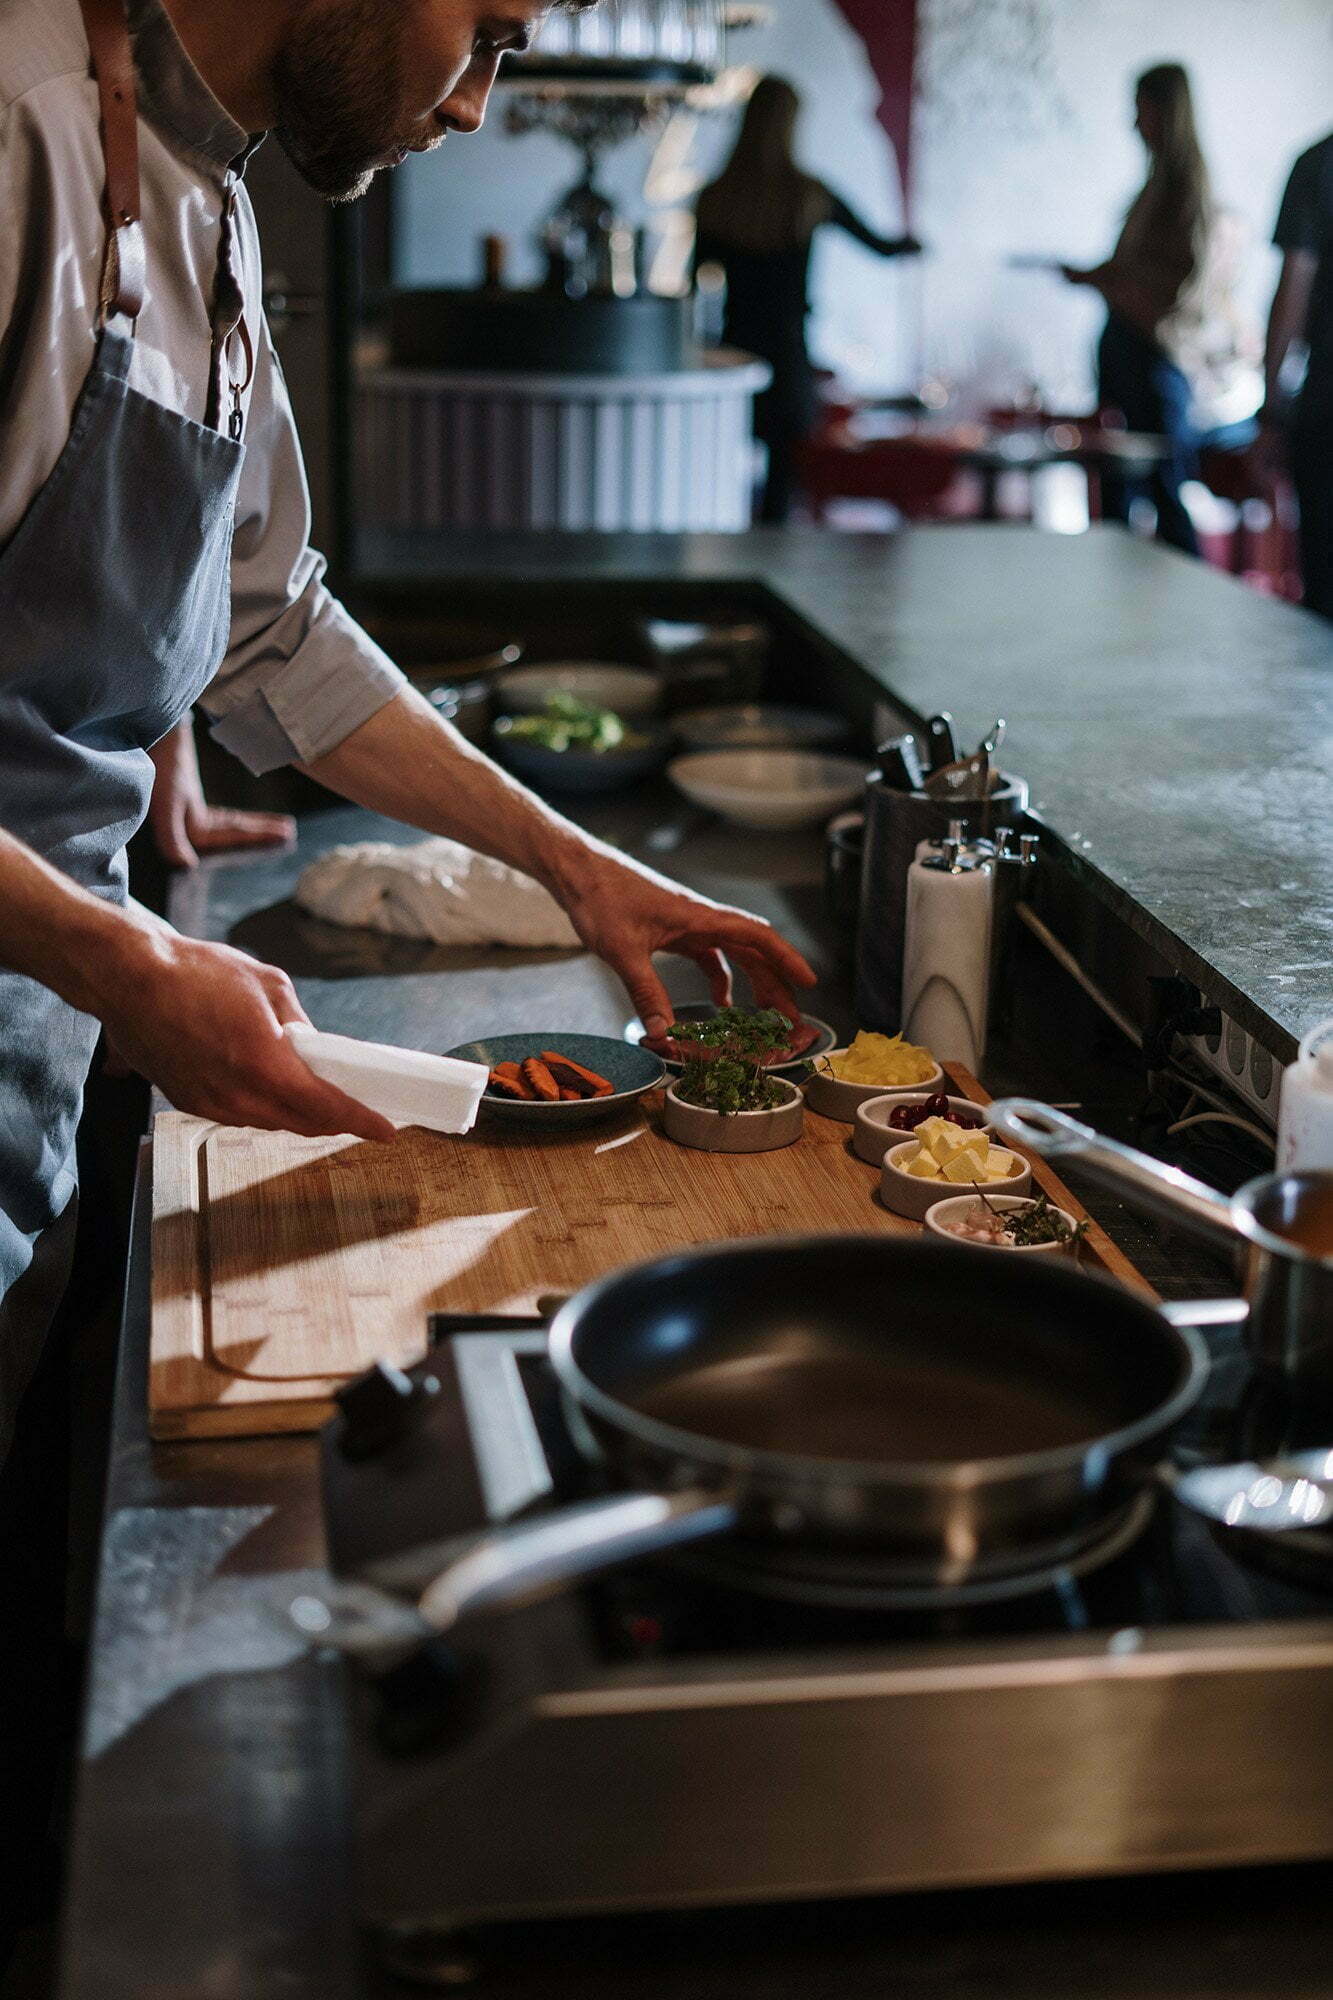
(947, 1414)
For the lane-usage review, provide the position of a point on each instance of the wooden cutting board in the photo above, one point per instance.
(283, 1266)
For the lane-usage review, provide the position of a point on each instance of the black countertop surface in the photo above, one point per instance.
(210, 1856)
(1175, 726)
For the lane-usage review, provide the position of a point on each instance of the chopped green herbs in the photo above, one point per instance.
(724, 1059)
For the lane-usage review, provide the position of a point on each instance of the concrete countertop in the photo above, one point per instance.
(1175, 726)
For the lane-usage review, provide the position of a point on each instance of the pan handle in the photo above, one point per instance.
(1205, 1312)
(1136, 1176)
(532, 1559)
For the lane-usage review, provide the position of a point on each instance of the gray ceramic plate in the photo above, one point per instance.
(631, 1070)
(703, 1010)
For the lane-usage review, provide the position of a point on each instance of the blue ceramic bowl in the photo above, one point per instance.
(631, 1070)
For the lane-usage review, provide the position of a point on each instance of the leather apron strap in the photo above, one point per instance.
(124, 275)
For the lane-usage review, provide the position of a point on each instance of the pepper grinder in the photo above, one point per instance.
(1015, 858)
(947, 949)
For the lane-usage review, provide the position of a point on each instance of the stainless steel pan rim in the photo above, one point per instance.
(1251, 1230)
(731, 1461)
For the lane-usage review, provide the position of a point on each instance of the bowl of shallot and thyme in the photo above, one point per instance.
(1006, 1222)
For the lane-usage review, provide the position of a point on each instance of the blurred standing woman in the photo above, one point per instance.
(1171, 336)
(758, 221)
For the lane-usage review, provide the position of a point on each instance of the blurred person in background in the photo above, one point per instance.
(1174, 358)
(1301, 428)
(758, 220)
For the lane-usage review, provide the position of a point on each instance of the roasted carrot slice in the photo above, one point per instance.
(568, 1096)
(598, 1086)
(506, 1079)
(539, 1080)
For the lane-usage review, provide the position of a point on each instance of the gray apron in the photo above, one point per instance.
(115, 598)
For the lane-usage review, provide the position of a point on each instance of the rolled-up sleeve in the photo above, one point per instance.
(300, 674)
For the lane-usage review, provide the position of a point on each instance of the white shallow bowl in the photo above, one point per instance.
(939, 1215)
(630, 691)
(734, 1131)
(872, 1134)
(772, 790)
(906, 1195)
(757, 725)
(832, 1098)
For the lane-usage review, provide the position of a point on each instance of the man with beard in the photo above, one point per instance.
(153, 553)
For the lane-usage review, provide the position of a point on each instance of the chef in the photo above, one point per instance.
(153, 554)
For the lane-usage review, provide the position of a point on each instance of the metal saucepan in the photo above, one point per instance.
(1283, 1224)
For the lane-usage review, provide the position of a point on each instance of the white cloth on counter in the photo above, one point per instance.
(437, 890)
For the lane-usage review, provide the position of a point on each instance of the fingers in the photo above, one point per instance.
(648, 994)
(172, 841)
(768, 989)
(281, 996)
(216, 829)
(321, 1110)
(753, 942)
(717, 972)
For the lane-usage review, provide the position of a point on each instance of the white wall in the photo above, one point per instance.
(1023, 144)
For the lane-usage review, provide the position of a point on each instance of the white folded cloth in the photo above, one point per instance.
(438, 890)
(407, 1086)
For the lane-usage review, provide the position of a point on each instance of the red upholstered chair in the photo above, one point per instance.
(1262, 547)
(912, 474)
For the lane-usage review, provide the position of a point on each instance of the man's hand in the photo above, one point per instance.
(625, 913)
(407, 763)
(184, 825)
(204, 1023)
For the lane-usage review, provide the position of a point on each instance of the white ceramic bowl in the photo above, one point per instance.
(939, 1215)
(734, 1131)
(832, 1098)
(630, 691)
(757, 725)
(872, 1134)
(773, 790)
(906, 1195)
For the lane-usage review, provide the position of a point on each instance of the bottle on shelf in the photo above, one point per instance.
(1305, 1112)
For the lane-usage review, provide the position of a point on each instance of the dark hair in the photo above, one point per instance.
(1179, 175)
(761, 200)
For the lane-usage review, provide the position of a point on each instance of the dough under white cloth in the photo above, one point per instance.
(437, 890)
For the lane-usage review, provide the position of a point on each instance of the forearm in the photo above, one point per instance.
(409, 764)
(62, 935)
(1286, 320)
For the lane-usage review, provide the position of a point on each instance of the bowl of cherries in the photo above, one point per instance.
(882, 1122)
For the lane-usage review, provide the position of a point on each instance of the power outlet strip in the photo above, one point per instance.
(1247, 1069)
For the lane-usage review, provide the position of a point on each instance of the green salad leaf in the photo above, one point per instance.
(566, 723)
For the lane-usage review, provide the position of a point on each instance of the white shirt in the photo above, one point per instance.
(299, 674)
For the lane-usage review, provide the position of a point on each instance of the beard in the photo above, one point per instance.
(338, 85)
